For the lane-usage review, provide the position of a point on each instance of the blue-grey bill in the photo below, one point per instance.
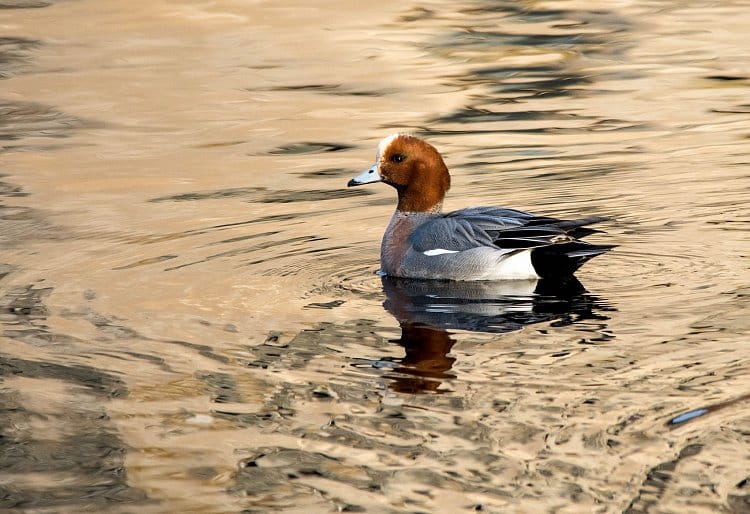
(366, 177)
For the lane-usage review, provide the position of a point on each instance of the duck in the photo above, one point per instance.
(470, 244)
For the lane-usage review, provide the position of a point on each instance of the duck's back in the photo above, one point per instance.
(485, 243)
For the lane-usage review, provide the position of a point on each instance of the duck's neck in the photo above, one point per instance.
(416, 198)
(396, 238)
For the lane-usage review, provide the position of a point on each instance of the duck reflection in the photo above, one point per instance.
(427, 309)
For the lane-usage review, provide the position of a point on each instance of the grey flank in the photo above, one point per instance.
(483, 237)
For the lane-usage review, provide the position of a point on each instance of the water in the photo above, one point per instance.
(191, 319)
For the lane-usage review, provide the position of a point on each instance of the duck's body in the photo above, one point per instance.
(477, 243)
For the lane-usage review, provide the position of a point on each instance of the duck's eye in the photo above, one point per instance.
(398, 157)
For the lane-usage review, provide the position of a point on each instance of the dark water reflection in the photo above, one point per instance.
(427, 310)
(77, 444)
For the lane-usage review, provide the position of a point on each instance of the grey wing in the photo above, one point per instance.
(496, 227)
(453, 234)
(492, 218)
(467, 228)
(492, 212)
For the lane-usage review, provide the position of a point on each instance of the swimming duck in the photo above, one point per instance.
(476, 243)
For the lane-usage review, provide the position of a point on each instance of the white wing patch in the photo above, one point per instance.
(438, 251)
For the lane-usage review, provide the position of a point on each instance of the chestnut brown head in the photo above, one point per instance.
(414, 168)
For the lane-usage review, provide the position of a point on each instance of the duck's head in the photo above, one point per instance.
(412, 166)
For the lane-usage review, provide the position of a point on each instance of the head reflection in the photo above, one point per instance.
(427, 309)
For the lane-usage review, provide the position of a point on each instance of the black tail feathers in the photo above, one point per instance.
(564, 258)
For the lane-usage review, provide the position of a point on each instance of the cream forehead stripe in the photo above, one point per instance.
(385, 143)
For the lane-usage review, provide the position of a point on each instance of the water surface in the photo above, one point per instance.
(191, 319)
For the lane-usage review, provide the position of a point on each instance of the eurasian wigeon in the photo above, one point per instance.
(476, 243)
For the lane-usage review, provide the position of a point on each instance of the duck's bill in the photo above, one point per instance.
(366, 177)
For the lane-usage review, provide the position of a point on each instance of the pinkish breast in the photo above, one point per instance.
(395, 242)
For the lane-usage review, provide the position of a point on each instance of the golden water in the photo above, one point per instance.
(191, 319)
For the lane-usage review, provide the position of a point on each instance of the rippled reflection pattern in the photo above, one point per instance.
(190, 316)
(426, 310)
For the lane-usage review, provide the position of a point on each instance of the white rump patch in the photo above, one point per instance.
(516, 266)
(438, 251)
